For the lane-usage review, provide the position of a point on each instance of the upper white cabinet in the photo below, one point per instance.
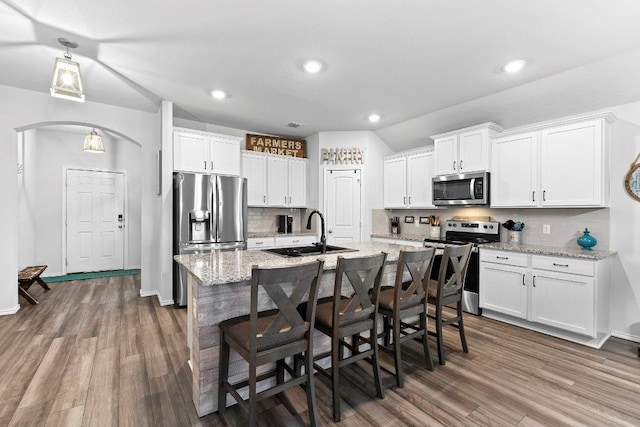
(464, 150)
(273, 180)
(555, 165)
(407, 180)
(254, 168)
(204, 152)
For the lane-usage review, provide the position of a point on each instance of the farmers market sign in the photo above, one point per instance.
(277, 145)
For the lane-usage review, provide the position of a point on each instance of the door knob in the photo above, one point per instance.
(330, 231)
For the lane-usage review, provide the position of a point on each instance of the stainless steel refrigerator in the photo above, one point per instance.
(209, 214)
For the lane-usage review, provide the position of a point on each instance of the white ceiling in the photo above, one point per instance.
(425, 66)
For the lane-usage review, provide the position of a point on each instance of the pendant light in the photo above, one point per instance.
(93, 142)
(66, 82)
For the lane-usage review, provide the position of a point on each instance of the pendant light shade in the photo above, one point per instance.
(93, 143)
(66, 82)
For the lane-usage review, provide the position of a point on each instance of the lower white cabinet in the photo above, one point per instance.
(565, 297)
(413, 243)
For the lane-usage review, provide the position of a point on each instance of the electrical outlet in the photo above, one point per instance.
(546, 229)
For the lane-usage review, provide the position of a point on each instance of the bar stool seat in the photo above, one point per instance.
(271, 336)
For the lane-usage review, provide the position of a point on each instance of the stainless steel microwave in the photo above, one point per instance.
(461, 189)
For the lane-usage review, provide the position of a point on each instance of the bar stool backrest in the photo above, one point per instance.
(288, 325)
(360, 275)
(418, 263)
(453, 270)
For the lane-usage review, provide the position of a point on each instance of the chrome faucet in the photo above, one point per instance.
(323, 238)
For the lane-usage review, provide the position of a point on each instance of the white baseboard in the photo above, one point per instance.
(625, 336)
(162, 302)
(9, 311)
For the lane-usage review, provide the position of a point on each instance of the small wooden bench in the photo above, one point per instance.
(28, 277)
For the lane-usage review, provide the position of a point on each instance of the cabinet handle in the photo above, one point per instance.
(211, 164)
(205, 165)
(296, 241)
(561, 265)
(523, 283)
(533, 198)
(544, 195)
(285, 200)
(460, 164)
(404, 200)
(409, 199)
(534, 281)
(502, 257)
(258, 243)
(454, 165)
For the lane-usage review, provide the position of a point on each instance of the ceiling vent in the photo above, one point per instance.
(294, 124)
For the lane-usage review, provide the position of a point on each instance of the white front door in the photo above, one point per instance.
(95, 221)
(343, 205)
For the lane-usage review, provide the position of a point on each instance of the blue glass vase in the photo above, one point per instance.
(587, 241)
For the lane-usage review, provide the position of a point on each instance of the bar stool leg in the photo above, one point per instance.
(425, 341)
(439, 335)
(387, 330)
(335, 377)
(311, 389)
(224, 375)
(253, 404)
(463, 339)
(376, 363)
(397, 351)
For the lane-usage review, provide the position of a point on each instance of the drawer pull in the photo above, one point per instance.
(534, 281)
(296, 241)
(560, 265)
(259, 243)
(523, 283)
(502, 257)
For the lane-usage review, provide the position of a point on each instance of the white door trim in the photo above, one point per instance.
(325, 171)
(64, 212)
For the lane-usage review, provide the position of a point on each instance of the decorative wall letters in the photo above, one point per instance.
(276, 145)
(342, 156)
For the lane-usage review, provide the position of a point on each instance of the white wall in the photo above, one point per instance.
(21, 109)
(372, 171)
(40, 192)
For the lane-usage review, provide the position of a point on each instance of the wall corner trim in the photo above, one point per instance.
(625, 336)
(156, 293)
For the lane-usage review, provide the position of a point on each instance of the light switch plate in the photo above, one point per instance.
(546, 229)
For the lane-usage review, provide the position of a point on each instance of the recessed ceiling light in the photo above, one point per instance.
(373, 118)
(219, 94)
(513, 66)
(312, 66)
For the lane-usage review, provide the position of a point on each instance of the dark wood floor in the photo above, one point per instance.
(95, 353)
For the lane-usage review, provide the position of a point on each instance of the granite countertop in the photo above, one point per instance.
(276, 234)
(550, 250)
(215, 268)
(408, 237)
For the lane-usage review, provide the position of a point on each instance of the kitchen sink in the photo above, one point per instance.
(298, 251)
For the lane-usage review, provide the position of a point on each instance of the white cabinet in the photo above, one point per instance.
(259, 243)
(503, 283)
(407, 180)
(273, 180)
(554, 165)
(565, 297)
(204, 152)
(464, 150)
(254, 169)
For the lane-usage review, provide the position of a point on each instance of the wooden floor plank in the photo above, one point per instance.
(94, 353)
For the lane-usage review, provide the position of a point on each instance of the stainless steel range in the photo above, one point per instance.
(462, 233)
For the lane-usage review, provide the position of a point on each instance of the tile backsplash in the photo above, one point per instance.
(264, 220)
(566, 224)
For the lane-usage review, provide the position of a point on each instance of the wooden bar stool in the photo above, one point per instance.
(447, 290)
(28, 277)
(343, 317)
(400, 305)
(273, 335)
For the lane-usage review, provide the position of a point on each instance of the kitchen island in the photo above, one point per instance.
(219, 289)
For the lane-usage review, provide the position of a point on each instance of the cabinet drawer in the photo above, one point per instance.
(286, 241)
(261, 243)
(563, 265)
(503, 257)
